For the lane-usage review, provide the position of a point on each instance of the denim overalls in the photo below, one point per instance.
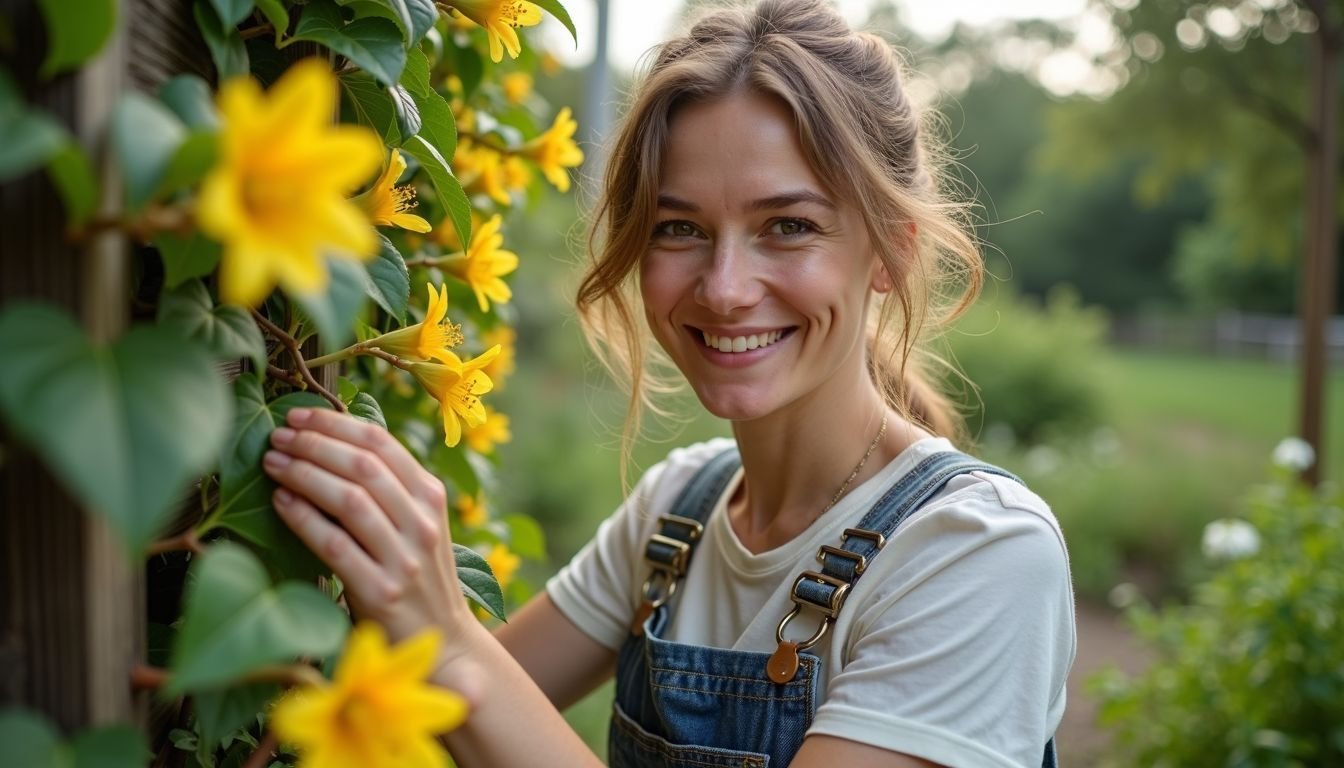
(691, 706)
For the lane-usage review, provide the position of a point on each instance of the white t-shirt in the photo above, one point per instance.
(953, 646)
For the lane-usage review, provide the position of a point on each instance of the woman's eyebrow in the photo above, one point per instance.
(782, 200)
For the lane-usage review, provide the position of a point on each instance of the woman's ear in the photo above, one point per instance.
(880, 281)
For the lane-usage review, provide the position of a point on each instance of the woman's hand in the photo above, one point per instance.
(366, 507)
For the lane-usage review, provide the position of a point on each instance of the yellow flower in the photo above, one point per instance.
(491, 177)
(387, 204)
(429, 339)
(504, 564)
(517, 86)
(471, 511)
(516, 173)
(276, 198)
(458, 387)
(485, 263)
(555, 150)
(500, 18)
(378, 711)
(549, 64)
(504, 337)
(483, 437)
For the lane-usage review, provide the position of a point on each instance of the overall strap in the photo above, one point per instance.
(826, 590)
(668, 552)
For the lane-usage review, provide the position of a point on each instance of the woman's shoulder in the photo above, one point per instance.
(660, 485)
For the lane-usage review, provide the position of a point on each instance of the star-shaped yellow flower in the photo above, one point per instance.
(387, 204)
(555, 150)
(503, 563)
(471, 510)
(377, 712)
(500, 18)
(458, 387)
(276, 198)
(505, 364)
(483, 437)
(484, 264)
(429, 339)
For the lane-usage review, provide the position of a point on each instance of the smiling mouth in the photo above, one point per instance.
(743, 343)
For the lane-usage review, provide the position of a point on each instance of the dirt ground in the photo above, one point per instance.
(1103, 639)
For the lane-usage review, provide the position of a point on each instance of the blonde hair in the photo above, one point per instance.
(863, 139)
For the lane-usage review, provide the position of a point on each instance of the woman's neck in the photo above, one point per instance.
(796, 459)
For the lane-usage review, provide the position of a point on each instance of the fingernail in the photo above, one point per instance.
(283, 496)
(276, 460)
(282, 435)
(299, 416)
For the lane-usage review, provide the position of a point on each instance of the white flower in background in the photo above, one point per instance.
(998, 435)
(1229, 539)
(1105, 444)
(1043, 460)
(1124, 594)
(1294, 453)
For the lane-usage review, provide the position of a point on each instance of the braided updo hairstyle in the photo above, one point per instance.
(862, 138)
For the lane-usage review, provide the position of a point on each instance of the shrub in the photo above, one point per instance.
(1036, 368)
(1251, 673)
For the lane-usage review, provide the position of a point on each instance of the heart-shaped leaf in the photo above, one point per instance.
(374, 44)
(226, 330)
(232, 11)
(75, 34)
(72, 173)
(366, 408)
(245, 490)
(234, 621)
(334, 311)
(369, 103)
(478, 581)
(276, 13)
(147, 135)
(390, 280)
(558, 11)
(227, 49)
(446, 186)
(220, 713)
(124, 426)
(186, 257)
(191, 100)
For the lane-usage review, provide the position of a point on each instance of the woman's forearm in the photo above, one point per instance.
(511, 721)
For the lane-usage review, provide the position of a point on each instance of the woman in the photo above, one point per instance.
(860, 594)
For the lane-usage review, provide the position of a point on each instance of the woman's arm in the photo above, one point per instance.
(362, 503)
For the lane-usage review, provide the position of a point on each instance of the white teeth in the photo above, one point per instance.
(740, 343)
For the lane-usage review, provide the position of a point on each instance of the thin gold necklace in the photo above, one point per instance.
(882, 430)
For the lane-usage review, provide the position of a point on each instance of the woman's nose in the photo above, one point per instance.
(729, 281)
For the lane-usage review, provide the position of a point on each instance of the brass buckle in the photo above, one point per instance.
(860, 562)
(837, 597)
(693, 528)
(678, 565)
(860, 533)
(650, 589)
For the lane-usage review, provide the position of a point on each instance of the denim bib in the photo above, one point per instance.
(692, 706)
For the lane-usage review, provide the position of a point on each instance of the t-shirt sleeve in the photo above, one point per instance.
(598, 590)
(959, 654)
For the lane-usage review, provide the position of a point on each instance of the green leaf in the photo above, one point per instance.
(334, 311)
(390, 284)
(558, 11)
(374, 44)
(227, 331)
(423, 15)
(231, 12)
(275, 12)
(73, 176)
(438, 125)
(408, 115)
(370, 104)
(446, 187)
(112, 746)
(245, 490)
(189, 97)
(30, 740)
(478, 581)
(190, 163)
(234, 621)
(366, 408)
(186, 257)
(526, 537)
(221, 713)
(123, 426)
(452, 463)
(146, 135)
(416, 75)
(227, 49)
(28, 138)
(75, 34)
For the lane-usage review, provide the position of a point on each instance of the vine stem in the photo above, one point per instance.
(257, 31)
(145, 677)
(395, 361)
(336, 357)
(292, 346)
(187, 540)
(280, 374)
(265, 749)
(435, 261)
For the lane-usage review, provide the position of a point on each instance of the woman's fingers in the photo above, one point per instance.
(334, 547)
(344, 500)
(360, 466)
(371, 437)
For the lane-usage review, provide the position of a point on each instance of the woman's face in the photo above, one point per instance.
(756, 278)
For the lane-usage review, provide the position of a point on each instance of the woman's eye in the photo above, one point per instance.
(675, 229)
(792, 227)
